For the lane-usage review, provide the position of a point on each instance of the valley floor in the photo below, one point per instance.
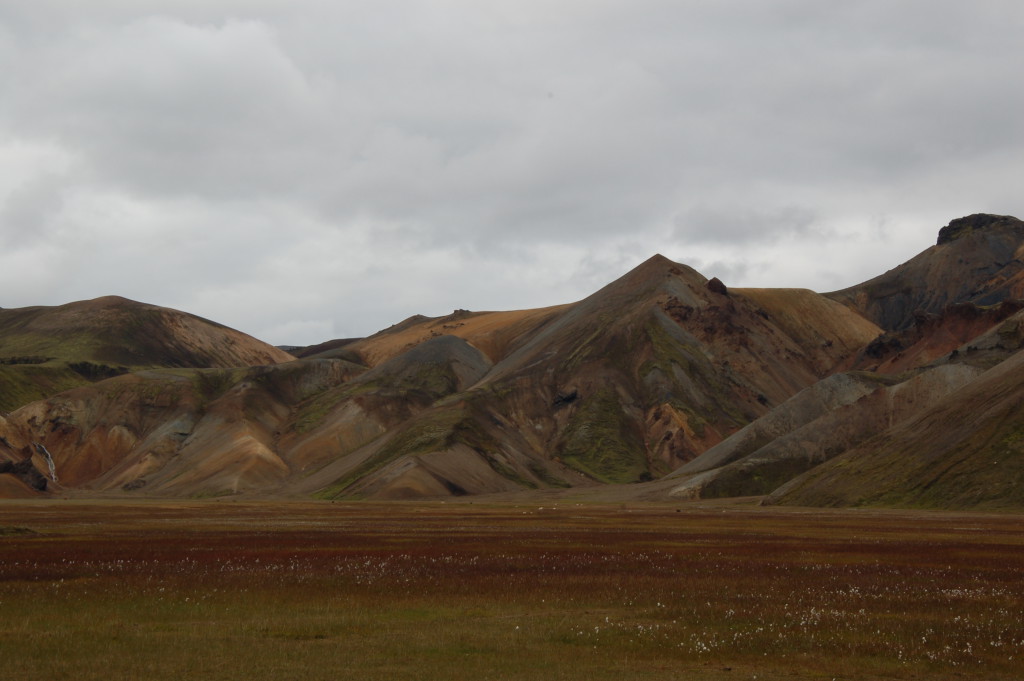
(94, 589)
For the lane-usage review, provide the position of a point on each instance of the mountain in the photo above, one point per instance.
(619, 387)
(44, 350)
(622, 386)
(976, 260)
(939, 395)
(663, 383)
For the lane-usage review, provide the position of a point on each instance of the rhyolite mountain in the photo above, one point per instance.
(679, 385)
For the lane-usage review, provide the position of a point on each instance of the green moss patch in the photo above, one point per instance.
(602, 442)
(21, 384)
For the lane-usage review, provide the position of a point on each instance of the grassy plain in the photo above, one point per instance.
(306, 591)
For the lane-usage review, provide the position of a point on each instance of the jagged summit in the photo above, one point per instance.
(961, 227)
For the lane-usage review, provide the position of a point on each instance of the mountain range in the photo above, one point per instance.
(901, 391)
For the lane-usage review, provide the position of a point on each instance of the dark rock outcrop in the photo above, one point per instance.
(963, 226)
(715, 285)
(26, 472)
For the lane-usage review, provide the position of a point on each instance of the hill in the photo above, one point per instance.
(44, 350)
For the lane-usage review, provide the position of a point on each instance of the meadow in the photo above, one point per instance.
(93, 589)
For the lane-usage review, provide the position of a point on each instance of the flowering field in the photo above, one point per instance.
(222, 590)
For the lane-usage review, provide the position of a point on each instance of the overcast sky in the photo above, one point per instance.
(308, 170)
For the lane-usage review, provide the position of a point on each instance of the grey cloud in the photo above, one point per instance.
(366, 148)
(168, 108)
(708, 224)
(29, 210)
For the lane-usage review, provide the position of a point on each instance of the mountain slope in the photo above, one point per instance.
(843, 425)
(937, 459)
(939, 356)
(493, 333)
(173, 432)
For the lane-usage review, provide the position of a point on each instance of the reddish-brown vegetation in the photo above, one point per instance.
(401, 591)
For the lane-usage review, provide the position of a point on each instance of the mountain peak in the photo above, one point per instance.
(658, 259)
(659, 265)
(961, 227)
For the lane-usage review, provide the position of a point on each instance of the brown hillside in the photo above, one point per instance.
(117, 331)
(493, 333)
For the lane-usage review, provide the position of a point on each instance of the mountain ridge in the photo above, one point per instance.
(662, 379)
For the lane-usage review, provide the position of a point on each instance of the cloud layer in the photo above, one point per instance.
(311, 170)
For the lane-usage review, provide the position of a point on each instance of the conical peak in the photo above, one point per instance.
(655, 276)
(657, 260)
(660, 266)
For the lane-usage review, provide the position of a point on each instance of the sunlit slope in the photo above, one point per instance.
(493, 333)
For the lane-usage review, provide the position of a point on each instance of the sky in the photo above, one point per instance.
(318, 169)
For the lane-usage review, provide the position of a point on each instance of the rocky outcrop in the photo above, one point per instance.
(26, 472)
(715, 285)
(961, 227)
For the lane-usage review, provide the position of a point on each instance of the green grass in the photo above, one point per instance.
(223, 590)
(24, 383)
(601, 441)
(59, 347)
(315, 409)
